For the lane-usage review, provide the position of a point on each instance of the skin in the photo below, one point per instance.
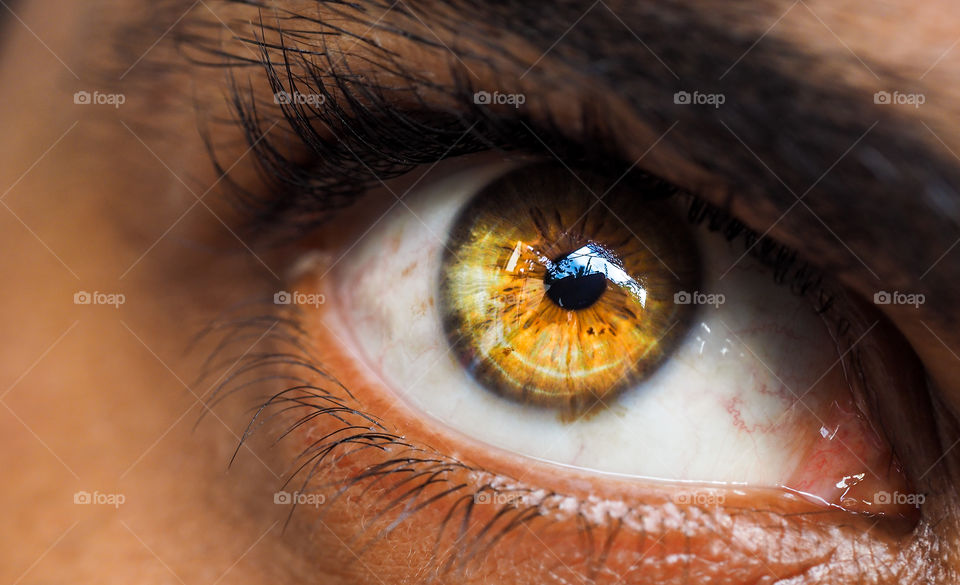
(125, 200)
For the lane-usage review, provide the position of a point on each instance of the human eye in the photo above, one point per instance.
(407, 387)
(615, 333)
(552, 358)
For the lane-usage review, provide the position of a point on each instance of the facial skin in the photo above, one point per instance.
(126, 201)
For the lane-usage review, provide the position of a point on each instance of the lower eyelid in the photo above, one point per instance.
(433, 500)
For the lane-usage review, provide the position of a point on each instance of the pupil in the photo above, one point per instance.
(577, 280)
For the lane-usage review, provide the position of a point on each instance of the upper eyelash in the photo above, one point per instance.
(787, 266)
(358, 137)
(374, 141)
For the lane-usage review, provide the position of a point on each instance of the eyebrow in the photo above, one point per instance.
(806, 152)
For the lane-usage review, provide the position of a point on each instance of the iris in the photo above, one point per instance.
(551, 297)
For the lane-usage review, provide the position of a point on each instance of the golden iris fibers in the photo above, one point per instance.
(552, 297)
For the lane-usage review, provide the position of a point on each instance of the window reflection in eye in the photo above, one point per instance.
(713, 375)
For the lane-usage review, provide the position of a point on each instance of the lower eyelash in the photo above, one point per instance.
(419, 473)
(286, 374)
(413, 478)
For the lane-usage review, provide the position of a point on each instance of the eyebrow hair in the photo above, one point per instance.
(791, 126)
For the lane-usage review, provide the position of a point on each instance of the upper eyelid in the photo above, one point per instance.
(303, 196)
(342, 169)
(757, 174)
(754, 174)
(366, 154)
(380, 140)
(345, 161)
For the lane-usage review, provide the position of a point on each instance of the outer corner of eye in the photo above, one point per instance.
(592, 326)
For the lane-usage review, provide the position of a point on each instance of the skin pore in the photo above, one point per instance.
(125, 201)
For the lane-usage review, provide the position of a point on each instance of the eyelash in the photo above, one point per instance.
(374, 141)
(355, 431)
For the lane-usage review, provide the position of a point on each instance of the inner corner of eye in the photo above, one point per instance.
(520, 308)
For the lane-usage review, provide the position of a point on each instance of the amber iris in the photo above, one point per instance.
(555, 297)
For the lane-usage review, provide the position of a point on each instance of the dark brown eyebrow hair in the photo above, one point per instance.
(849, 183)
